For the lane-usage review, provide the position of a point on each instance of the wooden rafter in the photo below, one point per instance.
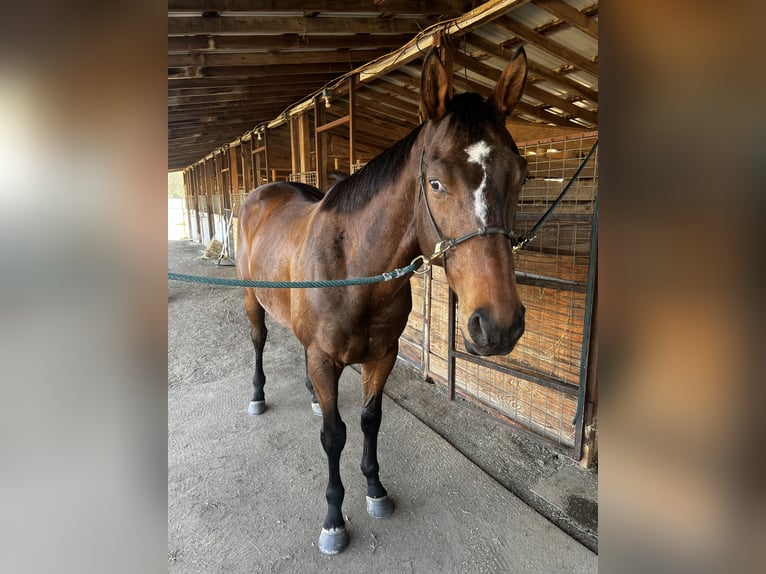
(179, 26)
(536, 39)
(570, 15)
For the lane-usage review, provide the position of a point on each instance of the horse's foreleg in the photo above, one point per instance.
(325, 373)
(374, 376)
(314, 402)
(258, 333)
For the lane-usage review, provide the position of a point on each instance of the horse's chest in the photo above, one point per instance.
(356, 328)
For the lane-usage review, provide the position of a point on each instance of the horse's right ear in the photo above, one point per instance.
(435, 86)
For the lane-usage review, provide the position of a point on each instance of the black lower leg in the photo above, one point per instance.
(371, 416)
(258, 336)
(333, 437)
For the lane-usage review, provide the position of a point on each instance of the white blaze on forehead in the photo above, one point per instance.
(479, 153)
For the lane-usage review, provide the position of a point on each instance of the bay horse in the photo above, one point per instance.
(457, 175)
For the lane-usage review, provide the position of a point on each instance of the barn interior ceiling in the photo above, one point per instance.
(235, 66)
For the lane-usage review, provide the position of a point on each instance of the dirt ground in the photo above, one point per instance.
(246, 494)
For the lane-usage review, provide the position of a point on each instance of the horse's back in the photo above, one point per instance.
(280, 193)
(285, 201)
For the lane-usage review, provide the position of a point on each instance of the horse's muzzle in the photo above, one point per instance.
(485, 337)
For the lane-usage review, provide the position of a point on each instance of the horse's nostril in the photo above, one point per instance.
(477, 326)
(487, 338)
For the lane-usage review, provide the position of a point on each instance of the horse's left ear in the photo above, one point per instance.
(510, 86)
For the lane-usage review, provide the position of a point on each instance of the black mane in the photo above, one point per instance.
(356, 191)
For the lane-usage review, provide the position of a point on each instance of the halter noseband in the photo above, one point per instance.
(444, 245)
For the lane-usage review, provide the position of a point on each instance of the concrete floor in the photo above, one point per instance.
(246, 494)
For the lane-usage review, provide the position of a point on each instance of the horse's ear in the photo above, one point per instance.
(435, 86)
(510, 86)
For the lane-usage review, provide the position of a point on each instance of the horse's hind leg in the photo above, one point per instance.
(258, 333)
(374, 376)
(314, 403)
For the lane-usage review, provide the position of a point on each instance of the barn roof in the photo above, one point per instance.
(237, 65)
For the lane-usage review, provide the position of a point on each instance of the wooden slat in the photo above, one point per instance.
(535, 38)
(205, 59)
(180, 44)
(570, 15)
(181, 26)
(444, 7)
(250, 72)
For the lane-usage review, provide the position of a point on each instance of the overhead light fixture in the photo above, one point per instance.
(326, 98)
(552, 150)
(556, 179)
(531, 152)
(260, 136)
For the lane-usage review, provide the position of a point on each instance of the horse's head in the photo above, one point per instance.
(470, 176)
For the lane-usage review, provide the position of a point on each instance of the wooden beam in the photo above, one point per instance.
(182, 26)
(487, 12)
(536, 39)
(268, 78)
(333, 124)
(213, 59)
(320, 114)
(443, 7)
(570, 15)
(183, 44)
(250, 72)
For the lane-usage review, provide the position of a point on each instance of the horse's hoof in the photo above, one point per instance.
(380, 507)
(256, 407)
(316, 409)
(333, 540)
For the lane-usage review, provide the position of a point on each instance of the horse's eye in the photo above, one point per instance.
(526, 179)
(436, 185)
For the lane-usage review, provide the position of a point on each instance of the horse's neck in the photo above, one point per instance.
(385, 229)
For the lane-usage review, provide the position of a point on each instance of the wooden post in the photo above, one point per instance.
(234, 188)
(197, 193)
(321, 148)
(209, 190)
(247, 164)
(304, 142)
(187, 195)
(451, 304)
(294, 123)
(351, 124)
(590, 426)
(266, 152)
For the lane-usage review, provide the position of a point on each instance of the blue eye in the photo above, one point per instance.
(436, 185)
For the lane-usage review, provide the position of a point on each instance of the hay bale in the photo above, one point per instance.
(213, 250)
